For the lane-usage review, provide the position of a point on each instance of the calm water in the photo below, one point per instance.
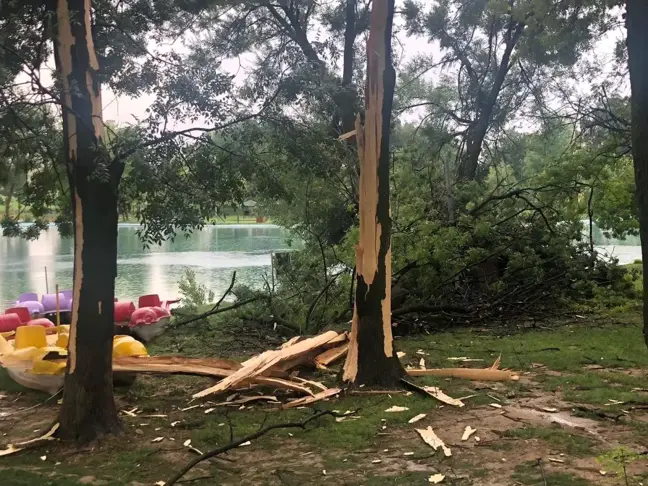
(212, 253)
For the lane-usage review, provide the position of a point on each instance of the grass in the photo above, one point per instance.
(556, 437)
(345, 450)
(530, 473)
(581, 342)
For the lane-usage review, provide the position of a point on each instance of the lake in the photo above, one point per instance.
(213, 253)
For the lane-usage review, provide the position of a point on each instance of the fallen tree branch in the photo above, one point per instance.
(431, 309)
(243, 440)
(215, 311)
(229, 289)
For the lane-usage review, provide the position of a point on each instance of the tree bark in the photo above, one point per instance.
(371, 359)
(88, 411)
(350, 96)
(637, 40)
(476, 133)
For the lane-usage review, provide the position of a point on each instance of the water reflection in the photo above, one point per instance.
(212, 253)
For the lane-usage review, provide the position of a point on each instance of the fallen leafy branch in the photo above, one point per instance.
(215, 311)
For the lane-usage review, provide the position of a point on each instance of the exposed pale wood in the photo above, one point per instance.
(434, 392)
(300, 402)
(340, 339)
(475, 374)
(290, 342)
(431, 439)
(244, 400)
(260, 364)
(468, 431)
(347, 135)
(157, 365)
(315, 384)
(331, 356)
(13, 448)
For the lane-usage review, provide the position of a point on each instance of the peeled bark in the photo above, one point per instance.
(636, 21)
(371, 359)
(88, 410)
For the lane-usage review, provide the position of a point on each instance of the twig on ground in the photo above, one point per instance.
(34, 406)
(544, 478)
(247, 438)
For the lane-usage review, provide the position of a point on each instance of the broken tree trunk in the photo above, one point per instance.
(371, 359)
(88, 409)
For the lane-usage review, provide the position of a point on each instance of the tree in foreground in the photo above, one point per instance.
(636, 18)
(88, 410)
(371, 359)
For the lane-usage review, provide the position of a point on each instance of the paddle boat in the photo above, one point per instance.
(146, 322)
(36, 357)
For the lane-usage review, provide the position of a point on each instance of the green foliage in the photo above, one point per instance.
(617, 460)
(194, 294)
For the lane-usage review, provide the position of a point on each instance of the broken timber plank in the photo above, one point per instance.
(331, 356)
(157, 365)
(300, 402)
(434, 392)
(261, 363)
(468, 374)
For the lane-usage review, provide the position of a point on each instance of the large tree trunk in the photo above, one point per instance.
(636, 21)
(88, 410)
(371, 359)
(476, 133)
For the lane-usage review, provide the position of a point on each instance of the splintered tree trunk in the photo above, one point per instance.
(88, 410)
(371, 359)
(636, 22)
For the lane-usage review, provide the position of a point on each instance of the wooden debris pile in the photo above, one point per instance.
(274, 369)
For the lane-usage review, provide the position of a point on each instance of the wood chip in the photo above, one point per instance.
(20, 446)
(173, 424)
(416, 418)
(376, 461)
(157, 439)
(187, 443)
(431, 439)
(549, 409)
(437, 393)
(497, 363)
(495, 405)
(553, 459)
(245, 444)
(400, 354)
(468, 431)
(408, 453)
(396, 408)
(422, 363)
(315, 398)
(436, 478)
(209, 410)
(189, 408)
